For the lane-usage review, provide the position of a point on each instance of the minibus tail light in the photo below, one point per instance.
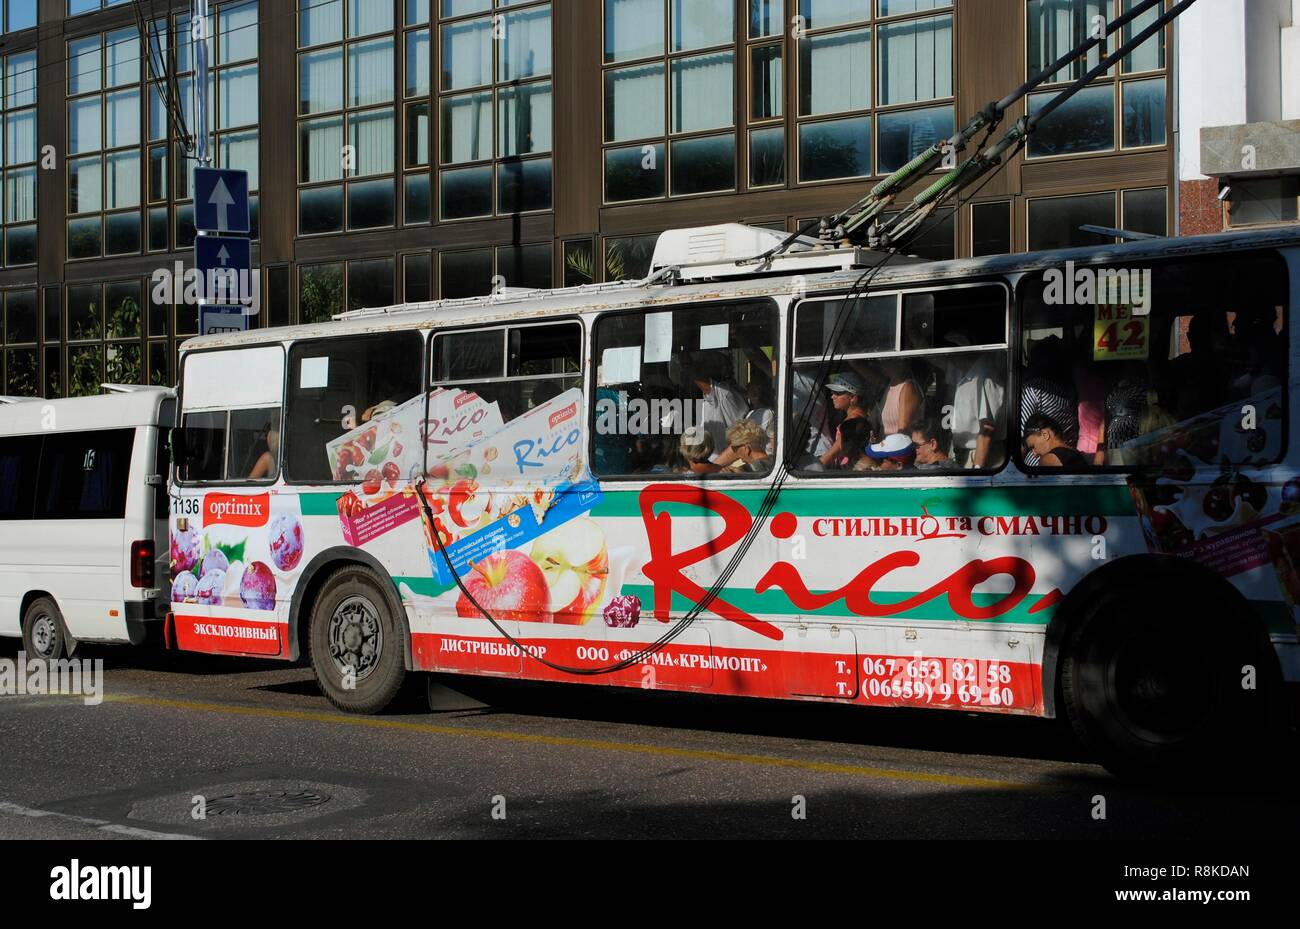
(142, 564)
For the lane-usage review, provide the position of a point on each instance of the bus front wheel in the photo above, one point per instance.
(355, 642)
(43, 635)
(1163, 685)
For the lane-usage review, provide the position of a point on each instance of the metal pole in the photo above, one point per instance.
(199, 41)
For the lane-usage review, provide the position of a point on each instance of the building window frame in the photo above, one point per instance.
(1117, 79)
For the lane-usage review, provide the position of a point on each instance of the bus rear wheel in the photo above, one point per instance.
(43, 635)
(1157, 685)
(355, 642)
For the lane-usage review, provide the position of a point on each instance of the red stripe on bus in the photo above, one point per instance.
(217, 636)
(872, 680)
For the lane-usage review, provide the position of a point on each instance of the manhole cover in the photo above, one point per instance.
(265, 802)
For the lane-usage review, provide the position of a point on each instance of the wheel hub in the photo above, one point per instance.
(1165, 691)
(356, 638)
(44, 633)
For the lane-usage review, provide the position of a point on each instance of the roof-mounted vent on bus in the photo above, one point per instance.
(734, 251)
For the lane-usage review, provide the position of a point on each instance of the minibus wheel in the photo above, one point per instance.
(355, 643)
(1157, 684)
(43, 635)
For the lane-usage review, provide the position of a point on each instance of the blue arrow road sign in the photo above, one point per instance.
(221, 201)
(225, 265)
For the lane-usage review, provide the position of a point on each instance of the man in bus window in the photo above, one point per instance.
(723, 405)
(1201, 373)
(979, 409)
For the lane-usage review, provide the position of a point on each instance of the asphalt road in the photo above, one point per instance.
(258, 750)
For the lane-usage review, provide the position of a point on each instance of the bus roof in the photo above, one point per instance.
(521, 305)
(112, 411)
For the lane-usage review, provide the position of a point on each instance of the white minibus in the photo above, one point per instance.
(83, 518)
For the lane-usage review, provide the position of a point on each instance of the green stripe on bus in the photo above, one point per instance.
(423, 586)
(1075, 500)
(1277, 616)
(776, 603)
(319, 504)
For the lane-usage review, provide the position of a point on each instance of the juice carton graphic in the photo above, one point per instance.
(386, 449)
(390, 448)
(457, 420)
(364, 521)
(513, 486)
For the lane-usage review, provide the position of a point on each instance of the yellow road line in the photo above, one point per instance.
(766, 761)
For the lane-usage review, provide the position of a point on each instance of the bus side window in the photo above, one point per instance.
(686, 392)
(912, 383)
(234, 446)
(1169, 365)
(19, 460)
(515, 368)
(340, 390)
(205, 447)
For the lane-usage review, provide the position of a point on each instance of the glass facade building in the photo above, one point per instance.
(411, 150)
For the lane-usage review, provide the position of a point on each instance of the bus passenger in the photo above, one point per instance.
(855, 435)
(979, 409)
(1126, 405)
(762, 410)
(1255, 353)
(805, 394)
(895, 453)
(267, 466)
(931, 447)
(1043, 437)
(848, 397)
(1201, 374)
(697, 448)
(1042, 392)
(748, 442)
(722, 404)
(904, 402)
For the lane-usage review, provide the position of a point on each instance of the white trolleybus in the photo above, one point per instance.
(1054, 484)
(83, 518)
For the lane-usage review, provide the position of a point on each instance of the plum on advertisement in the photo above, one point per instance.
(286, 541)
(185, 547)
(257, 587)
(235, 567)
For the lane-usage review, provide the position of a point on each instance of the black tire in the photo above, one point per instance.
(44, 636)
(353, 626)
(1152, 681)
